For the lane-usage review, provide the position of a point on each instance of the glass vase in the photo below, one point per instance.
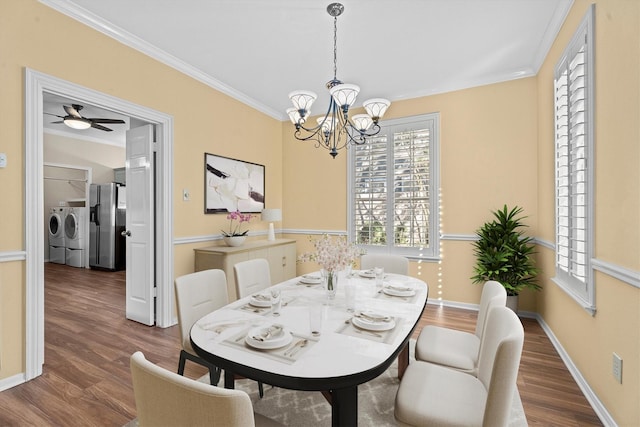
(330, 279)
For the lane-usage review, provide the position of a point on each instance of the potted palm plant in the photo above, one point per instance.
(503, 253)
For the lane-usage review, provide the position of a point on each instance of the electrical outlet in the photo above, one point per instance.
(617, 368)
(186, 195)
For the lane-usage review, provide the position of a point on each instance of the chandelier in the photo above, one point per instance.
(336, 130)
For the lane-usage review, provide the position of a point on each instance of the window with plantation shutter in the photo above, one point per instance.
(393, 188)
(573, 94)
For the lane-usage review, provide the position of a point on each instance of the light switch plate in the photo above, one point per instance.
(186, 196)
(3, 160)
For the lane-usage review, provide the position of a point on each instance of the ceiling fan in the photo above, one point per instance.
(74, 120)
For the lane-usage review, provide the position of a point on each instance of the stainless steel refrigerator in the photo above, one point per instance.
(107, 204)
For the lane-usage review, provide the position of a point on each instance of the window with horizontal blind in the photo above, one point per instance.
(573, 94)
(393, 188)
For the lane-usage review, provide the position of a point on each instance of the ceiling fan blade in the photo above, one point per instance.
(72, 111)
(59, 121)
(113, 121)
(51, 114)
(97, 126)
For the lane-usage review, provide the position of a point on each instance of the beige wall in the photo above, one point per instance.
(34, 36)
(488, 141)
(591, 340)
(496, 148)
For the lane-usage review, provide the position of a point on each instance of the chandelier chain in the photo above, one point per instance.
(335, 47)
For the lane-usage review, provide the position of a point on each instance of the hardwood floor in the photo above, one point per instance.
(86, 379)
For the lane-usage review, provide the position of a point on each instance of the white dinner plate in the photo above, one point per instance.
(373, 325)
(369, 274)
(396, 293)
(399, 289)
(260, 300)
(282, 338)
(308, 279)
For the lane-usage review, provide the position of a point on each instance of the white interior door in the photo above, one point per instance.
(140, 304)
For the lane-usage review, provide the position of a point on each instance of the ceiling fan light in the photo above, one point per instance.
(376, 107)
(362, 122)
(302, 100)
(77, 123)
(345, 94)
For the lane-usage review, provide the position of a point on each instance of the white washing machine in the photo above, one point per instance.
(74, 230)
(57, 241)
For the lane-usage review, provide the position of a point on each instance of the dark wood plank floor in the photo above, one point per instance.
(86, 379)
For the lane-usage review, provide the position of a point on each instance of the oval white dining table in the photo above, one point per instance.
(335, 362)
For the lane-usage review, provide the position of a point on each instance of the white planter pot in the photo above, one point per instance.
(234, 240)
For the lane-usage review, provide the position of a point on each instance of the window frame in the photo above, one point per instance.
(432, 253)
(582, 292)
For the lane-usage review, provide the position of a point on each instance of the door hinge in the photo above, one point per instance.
(155, 147)
(155, 291)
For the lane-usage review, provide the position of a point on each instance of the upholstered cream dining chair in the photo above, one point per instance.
(167, 399)
(458, 349)
(434, 395)
(198, 294)
(252, 276)
(391, 263)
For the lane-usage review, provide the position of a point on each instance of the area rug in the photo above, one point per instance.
(375, 403)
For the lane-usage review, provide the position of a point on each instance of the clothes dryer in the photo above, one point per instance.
(74, 230)
(57, 216)
(57, 241)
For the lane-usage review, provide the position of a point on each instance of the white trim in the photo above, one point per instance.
(460, 237)
(107, 28)
(625, 275)
(592, 398)
(553, 29)
(9, 256)
(36, 84)
(65, 134)
(9, 382)
(544, 243)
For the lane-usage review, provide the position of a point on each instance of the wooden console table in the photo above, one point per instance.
(281, 254)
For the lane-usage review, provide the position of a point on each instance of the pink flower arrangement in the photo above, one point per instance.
(332, 254)
(234, 229)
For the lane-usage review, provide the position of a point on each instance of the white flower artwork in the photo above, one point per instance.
(233, 185)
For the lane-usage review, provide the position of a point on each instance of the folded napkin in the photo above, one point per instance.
(261, 297)
(272, 332)
(370, 316)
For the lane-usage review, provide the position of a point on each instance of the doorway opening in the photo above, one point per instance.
(36, 84)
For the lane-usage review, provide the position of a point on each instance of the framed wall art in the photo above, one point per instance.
(232, 185)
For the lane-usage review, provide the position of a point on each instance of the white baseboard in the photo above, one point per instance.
(7, 383)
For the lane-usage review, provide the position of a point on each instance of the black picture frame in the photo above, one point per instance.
(232, 185)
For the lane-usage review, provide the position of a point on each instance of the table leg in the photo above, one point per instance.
(229, 379)
(403, 360)
(344, 407)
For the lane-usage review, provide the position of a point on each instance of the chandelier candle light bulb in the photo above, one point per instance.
(334, 130)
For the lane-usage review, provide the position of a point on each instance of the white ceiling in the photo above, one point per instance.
(259, 50)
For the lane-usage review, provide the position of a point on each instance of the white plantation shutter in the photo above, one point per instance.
(573, 94)
(393, 188)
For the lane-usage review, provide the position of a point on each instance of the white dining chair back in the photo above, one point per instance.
(198, 294)
(252, 276)
(459, 349)
(431, 394)
(391, 263)
(166, 399)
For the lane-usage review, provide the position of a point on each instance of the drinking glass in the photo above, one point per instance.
(315, 319)
(276, 302)
(350, 292)
(379, 272)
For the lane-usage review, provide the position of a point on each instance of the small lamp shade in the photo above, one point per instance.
(271, 215)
